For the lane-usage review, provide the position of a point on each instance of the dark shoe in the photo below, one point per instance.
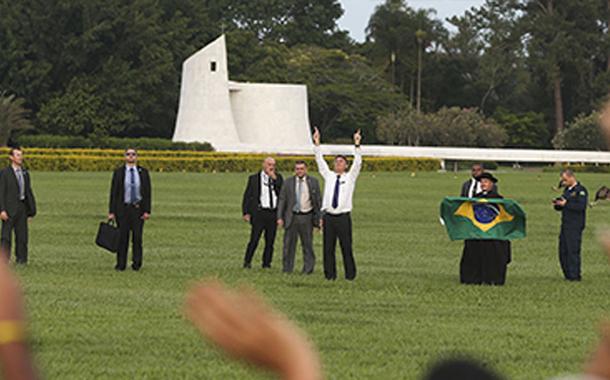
(247, 266)
(135, 267)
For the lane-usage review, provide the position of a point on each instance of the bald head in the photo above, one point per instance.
(269, 165)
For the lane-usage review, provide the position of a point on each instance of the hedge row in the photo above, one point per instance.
(237, 163)
(114, 153)
(151, 143)
(579, 168)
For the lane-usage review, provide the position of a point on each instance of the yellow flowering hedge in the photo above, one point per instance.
(44, 159)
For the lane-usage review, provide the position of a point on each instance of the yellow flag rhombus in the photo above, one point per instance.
(466, 210)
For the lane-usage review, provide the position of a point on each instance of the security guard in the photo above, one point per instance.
(573, 206)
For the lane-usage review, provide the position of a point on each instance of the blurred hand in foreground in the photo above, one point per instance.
(15, 357)
(246, 328)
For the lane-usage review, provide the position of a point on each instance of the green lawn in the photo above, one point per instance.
(405, 309)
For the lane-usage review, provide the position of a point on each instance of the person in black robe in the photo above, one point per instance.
(485, 261)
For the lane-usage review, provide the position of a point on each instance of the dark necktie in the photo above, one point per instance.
(132, 180)
(270, 194)
(20, 183)
(336, 193)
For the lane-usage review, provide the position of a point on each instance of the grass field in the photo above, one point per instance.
(405, 309)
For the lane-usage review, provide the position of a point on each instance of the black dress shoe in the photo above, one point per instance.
(135, 268)
(247, 265)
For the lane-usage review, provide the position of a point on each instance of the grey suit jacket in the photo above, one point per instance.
(287, 200)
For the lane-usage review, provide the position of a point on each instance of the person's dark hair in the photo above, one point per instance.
(341, 156)
(12, 149)
(568, 172)
(130, 148)
(300, 162)
(460, 369)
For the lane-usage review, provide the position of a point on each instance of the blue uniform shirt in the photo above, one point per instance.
(574, 213)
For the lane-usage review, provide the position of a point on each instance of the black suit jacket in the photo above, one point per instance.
(251, 201)
(9, 192)
(117, 191)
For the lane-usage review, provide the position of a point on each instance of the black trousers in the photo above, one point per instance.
(338, 227)
(484, 262)
(262, 221)
(570, 240)
(130, 223)
(19, 224)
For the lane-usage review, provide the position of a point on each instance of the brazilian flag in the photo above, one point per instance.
(482, 218)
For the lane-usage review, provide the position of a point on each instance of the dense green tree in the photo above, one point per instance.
(291, 22)
(14, 116)
(525, 130)
(566, 43)
(446, 127)
(583, 133)
(392, 41)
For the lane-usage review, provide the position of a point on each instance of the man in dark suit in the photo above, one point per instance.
(259, 208)
(298, 211)
(17, 205)
(130, 204)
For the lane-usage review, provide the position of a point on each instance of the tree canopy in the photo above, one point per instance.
(112, 68)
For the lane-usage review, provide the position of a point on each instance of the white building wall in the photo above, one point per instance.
(271, 115)
(204, 113)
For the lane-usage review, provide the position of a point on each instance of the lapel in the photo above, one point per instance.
(259, 186)
(13, 177)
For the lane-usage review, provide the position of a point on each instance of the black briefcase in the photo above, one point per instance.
(108, 236)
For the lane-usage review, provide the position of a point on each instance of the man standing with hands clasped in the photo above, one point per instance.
(339, 188)
(298, 211)
(259, 208)
(130, 201)
(17, 205)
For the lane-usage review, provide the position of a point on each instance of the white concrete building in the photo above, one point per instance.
(274, 119)
(232, 115)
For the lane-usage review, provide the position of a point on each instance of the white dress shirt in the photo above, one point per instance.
(346, 187)
(303, 200)
(475, 188)
(265, 188)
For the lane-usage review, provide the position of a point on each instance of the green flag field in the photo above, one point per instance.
(405, 310)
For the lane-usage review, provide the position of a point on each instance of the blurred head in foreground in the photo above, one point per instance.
(460, 369)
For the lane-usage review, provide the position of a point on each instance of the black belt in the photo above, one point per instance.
(268, 209)
(136, 205)
(338, 215)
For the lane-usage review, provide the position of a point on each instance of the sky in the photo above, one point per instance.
(358, 12)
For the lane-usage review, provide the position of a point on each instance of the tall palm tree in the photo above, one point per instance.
(13, 116)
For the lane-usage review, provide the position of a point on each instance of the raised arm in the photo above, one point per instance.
(320, 162)
(357, 164)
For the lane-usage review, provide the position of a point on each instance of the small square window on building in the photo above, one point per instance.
(213, 66)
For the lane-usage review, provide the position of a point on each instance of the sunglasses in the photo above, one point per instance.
(130, 154)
